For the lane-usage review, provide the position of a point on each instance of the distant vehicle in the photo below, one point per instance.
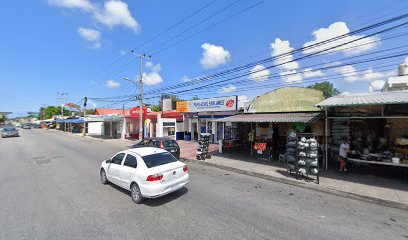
(9, 131)
(37, 126)
(167, 144)
(26, 126)
(146, 172)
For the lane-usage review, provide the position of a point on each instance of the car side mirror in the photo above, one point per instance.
(108, 161)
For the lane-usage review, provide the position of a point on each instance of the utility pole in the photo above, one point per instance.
(141, 57)
(62, 98)
(85, 102)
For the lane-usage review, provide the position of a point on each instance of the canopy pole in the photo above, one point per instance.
(325, 139)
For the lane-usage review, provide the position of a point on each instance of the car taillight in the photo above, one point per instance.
(155, 177)
(185, 169)
(161, 145)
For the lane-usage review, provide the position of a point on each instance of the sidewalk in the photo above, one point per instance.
(379, 190)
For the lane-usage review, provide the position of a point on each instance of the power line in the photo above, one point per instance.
(263, 61)
(208, 28)
(175, 25)
(195, 25)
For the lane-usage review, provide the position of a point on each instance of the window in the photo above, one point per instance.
(169, 124)
(170, 143)
(130, 161)
(118, 158)
(158, 159)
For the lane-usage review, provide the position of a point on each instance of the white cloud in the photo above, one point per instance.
(371, 75)
(85, 5)
(122, 52)
(259, 73)
(91, 35)
(310, 73)
(112, 13)
(338, 29)
(185, 79)
(116, 13)
(332, 64)
(291, 76)
(406, 60)
(214, 56)
(280, 47)
(376, 85)
(154, 77)
(152, 67)
(227, 89)
(348, 72)
(112, 84)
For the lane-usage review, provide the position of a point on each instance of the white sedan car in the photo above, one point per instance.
(147, 172)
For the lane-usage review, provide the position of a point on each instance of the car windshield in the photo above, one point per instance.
(158, 159)
(9, 129)
(170, 143)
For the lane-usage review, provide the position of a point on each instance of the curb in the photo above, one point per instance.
(360, 197)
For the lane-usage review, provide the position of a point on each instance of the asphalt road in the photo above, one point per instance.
(50, 189)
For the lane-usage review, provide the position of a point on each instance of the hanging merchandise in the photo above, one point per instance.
(290, 155)
(307, 155)
(203, 145)
(339, 130)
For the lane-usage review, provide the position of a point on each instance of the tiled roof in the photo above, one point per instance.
(358, 99)
(110, 111)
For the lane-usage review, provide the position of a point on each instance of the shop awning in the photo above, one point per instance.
(70, 120)
(274, 117)
(361, 99)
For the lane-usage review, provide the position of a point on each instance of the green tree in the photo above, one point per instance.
(156, 108)
(195, 98)
(53, 111)
(327, 88)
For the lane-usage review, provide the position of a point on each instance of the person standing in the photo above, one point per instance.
(344, 149)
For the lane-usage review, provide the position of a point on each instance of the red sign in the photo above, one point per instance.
(134, 112)
(230, 103)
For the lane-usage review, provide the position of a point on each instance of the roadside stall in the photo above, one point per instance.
(268, 118)
(375, 124)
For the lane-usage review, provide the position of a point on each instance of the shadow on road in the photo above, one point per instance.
(155, 202)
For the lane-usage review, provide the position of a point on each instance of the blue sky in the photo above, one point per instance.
(77, 46)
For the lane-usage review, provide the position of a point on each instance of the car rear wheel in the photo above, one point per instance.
(104, 179)
(136, 194)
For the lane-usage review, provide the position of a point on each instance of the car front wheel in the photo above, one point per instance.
(136, 194)
(104, 179)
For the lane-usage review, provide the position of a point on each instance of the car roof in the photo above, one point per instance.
(161, 138)
(145, 151)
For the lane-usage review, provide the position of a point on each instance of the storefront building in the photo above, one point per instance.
(198, 115)
(269, 117)
(109, 126)
(375, 124)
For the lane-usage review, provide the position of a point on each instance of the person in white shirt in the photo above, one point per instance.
(344, 149)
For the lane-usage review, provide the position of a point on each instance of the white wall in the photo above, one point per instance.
(95, 128)
(180, 126)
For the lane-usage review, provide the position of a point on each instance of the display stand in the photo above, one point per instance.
(291, 152)
(203, 145)
(307, 156)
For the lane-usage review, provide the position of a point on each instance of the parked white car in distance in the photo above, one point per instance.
(146, 172)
